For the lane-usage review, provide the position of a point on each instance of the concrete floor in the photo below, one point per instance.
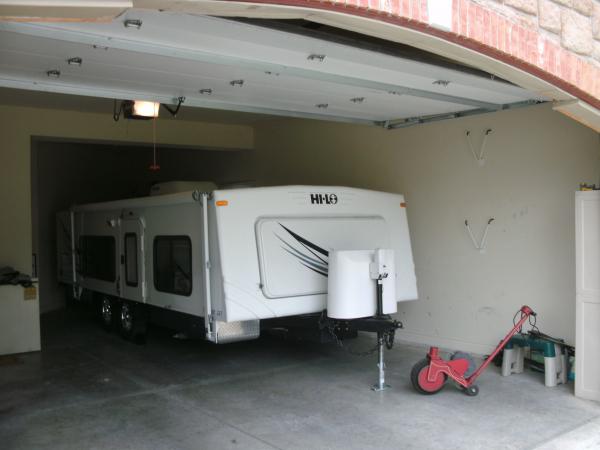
(90, 389)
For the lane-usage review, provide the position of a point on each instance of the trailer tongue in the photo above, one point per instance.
(361, 297)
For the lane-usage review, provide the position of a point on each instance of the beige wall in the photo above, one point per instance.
(535, 160)
(18, 125)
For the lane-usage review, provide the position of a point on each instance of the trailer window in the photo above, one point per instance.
(173, 264)
(131, 262)
(98, 257)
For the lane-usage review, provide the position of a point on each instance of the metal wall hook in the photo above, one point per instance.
(482, 244)
(479, 156)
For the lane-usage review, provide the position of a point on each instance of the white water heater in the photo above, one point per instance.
(352, 283)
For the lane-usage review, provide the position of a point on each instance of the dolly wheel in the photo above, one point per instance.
(472, 391)
(418, 377)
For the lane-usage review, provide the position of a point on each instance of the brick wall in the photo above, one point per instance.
(572, 24)
(557, 40)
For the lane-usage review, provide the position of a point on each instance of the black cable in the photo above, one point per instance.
(516, 314)
(174, 112)
(117, 113)
(532, 322)
(515, 320)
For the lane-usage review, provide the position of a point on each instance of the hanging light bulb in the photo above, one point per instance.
(145, 109)
(140, 109)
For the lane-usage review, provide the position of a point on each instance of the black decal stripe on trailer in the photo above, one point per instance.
(314, 270)
(308, 248)
(306, 242)
(316, 265)
(305, 259)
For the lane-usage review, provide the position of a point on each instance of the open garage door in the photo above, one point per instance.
(233, 65)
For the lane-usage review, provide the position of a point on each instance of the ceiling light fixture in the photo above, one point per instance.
(316, 57)
(143, 110)
(54, 73)
(77, 61)
(133, 23)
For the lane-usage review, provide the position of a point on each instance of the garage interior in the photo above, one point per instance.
(276, 102)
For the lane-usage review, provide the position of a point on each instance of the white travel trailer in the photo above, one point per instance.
(222, 262)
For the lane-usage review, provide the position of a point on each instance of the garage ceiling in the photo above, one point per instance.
(230, 65)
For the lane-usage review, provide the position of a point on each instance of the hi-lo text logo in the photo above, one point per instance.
(323, 199)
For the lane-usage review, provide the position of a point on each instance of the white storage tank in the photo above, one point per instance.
(352, 283)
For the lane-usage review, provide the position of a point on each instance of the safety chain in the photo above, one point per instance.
(388, 339)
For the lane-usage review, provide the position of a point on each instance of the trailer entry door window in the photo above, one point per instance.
(173, 264)
(131, 262)
(98, 257)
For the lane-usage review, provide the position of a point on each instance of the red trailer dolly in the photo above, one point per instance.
(429, 375)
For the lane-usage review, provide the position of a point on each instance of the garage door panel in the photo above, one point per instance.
(244, 41)
(175, 55)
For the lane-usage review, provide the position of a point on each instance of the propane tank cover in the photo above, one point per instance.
(352, 289)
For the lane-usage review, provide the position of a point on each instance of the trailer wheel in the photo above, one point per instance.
(126, 320)
(132, 322)
(108, 312)
(418, 377)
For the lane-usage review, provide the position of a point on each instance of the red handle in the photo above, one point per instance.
(527, 310)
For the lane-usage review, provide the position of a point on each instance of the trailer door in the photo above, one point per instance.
(133, 280)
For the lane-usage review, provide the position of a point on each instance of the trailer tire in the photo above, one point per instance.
(416, 376)
(107, 309)
(132, 321)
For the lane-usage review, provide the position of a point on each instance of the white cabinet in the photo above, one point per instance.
(587, 339)
(19, 320)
